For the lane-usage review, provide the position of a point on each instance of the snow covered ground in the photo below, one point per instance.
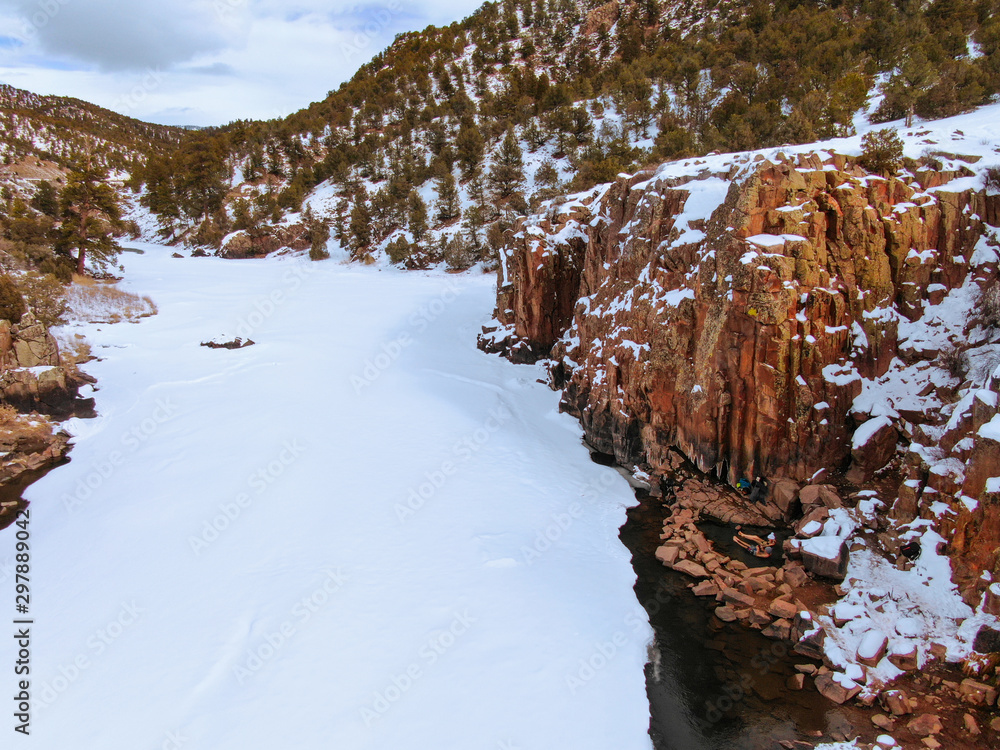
(359, 533)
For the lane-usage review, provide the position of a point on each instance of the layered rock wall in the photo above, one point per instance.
(737, 335)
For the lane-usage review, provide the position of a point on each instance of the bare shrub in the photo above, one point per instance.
(954, 361)
(988, 308)
(992, 179)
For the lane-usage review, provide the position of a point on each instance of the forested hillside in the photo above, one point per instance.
(60, 129)
(434, 146)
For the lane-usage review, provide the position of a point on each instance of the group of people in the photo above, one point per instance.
(755, 490)
(755, 545)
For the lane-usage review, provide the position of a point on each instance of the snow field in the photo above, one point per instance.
(360, 532)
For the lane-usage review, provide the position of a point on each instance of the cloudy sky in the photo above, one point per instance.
(202, 62)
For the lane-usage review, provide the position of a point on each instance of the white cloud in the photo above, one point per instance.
(201, 62)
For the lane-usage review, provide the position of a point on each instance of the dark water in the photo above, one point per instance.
(717, 686)
(11, 492)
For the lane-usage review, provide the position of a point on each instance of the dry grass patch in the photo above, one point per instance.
(73, 347)
(106, 303)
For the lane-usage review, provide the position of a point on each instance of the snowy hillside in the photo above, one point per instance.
(435, 146)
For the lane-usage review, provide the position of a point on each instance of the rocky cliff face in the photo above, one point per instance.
(790, 317)
(33, 377)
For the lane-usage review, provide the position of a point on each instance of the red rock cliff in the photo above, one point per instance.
(739, 337)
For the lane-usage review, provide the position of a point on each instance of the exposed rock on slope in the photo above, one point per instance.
(727, 339)
(257, 244)
(771, 317)
(33, 377)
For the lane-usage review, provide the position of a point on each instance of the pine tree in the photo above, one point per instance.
(361, 220)
(255, 163)
(46, 199)
(90, 213)
(200, 178)
(318, 232)
(469, 147)
(447, 203)
(507, 174)
(416, 215)
(534, 136)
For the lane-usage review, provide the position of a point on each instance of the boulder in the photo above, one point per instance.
(261, 242)
(987, 640)
(971, 726)
(883, 722)
(725, 613)
(796, 682)
(782, 608)
(837, 687)
(705, 588)
(811, 644)
(872, 446)
(732, 596)
(784, 496)
(690, 568)
(34, 346)
(991, 599)
(895, 702)
(779, 630)
(819, 495)
(795, 575)
(872, 648)
(977, 693)
(667, 554)
(905, 656)
(812, 522)
(925, 725)
(826, 556)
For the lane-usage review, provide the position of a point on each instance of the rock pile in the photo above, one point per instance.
(764, 598)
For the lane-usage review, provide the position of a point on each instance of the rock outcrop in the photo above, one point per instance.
(737, 329)
(33, 377)
(258, 243)
(789, 318)
(29, 444)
